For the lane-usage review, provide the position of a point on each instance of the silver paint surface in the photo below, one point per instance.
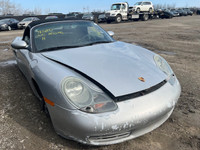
(117, 67)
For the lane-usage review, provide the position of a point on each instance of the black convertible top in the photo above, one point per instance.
(34, 23)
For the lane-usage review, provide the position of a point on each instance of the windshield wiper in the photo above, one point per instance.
(57, 48)
(98, 42)
(66, 47)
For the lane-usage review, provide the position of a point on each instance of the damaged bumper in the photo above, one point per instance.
(133, 118)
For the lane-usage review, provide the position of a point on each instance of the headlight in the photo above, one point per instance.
(86, 98)
(4, 25)
(164, 66)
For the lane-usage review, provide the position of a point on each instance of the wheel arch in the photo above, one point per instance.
(37, 89)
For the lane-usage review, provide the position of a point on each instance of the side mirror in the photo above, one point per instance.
(111, 33)
(19, 44)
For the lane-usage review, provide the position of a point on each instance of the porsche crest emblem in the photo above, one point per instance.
(141, 79)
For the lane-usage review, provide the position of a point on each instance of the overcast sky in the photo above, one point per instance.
(65, 6)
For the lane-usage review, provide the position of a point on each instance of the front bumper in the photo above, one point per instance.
(21, 26)
(110, 18)
(3, 28)
(133, 118)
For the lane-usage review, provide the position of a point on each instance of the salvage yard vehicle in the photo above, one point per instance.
(102, 18)
(143, 7)
(166, 14)
(97, 90)
(51, 17)
(24, 23)
(8, 24)
(122, 12)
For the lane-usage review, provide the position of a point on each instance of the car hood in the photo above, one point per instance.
(116, 66)
(25, 22)
(3, 23)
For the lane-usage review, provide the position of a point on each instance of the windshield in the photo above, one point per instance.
(60, 35)
(70, 15)
(87, 15)
(4, 21)
(51, 17)
(116, 7)
(138, 3)
(27, 19)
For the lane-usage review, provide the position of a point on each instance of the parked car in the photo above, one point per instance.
(143, 6)
(174, 12)
(24, 23)
(102, 18)
(182, 12)
(71, 16)
(8, 24)
(96, 90)
(74, 15)
(166, 14)
(198, 12)
(51, 17)
(89, 16)
(189, 12)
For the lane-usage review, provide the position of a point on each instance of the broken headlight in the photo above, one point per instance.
(164, 66)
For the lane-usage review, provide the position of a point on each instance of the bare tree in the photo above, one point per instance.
(7, 7)
(37, 11)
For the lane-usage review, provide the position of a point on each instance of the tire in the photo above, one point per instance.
(118, 19)
(9, 28)
(145, 17)
(150, 10)
(108, 21)
(138, 10)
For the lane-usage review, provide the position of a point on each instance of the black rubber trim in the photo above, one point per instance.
(140, 93)
(119, 98)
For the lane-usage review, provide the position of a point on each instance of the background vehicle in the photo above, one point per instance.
(51, 17)
(8, 24)
(166, 14)
(174, 12)
(23, 24)
(189, 12)
(122, 12)
(74, 15)
(143, 7)
(182, 12)
(90, 16)
(102, 18)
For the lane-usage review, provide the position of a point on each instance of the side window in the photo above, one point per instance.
(123, 6)
(26, 36)
(27, 40)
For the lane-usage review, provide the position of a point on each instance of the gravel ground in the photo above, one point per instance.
(24, 126)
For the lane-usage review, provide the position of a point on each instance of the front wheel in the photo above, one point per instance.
(9, 28)
(118, 19)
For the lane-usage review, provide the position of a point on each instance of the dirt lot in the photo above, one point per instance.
(24, 126)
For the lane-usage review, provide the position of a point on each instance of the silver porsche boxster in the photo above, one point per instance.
(96, 90)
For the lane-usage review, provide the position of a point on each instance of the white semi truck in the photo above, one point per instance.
(122, 12)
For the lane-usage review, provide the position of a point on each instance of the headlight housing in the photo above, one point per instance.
(164, 66)
(4, 25)
(85, 98)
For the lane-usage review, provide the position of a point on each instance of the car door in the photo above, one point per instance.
(124, 11)
(145, 6)
(24, 58)
(142, 6)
